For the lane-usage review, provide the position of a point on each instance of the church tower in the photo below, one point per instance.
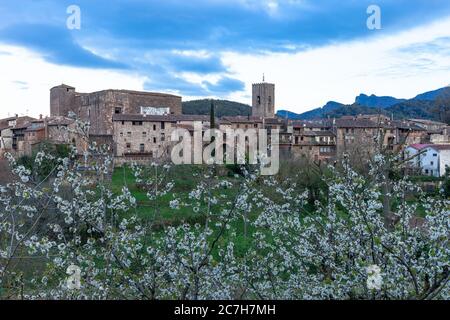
(263, 100)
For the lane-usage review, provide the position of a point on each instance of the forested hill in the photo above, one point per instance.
(433, 105)
(223, 108)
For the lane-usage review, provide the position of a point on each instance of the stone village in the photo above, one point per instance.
(137, 127)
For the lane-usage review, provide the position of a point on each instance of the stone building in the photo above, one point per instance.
(429, 159)
(357, 136)
(99, 107)
(142, 137)
(317, 145)
(263, 100)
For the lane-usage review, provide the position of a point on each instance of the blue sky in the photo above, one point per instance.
(216, 48)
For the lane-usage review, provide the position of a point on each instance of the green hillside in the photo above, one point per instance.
(223, 108)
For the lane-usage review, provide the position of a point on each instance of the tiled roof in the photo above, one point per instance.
(241, 119)
(34, 128)
(316, 133)
(159, 118)
(355, 123)
(433, 146)
(419, 146)
(310, 124)
(404, 125)
(440, 146)
(21, 127)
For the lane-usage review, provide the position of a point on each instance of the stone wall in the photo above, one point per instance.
(263, 100)
(129, 137)
(99, 107)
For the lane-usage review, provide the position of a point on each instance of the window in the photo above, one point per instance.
(128, 145)
(137, 123)
(144, 134)
(432, 163)
(123, 123)
(434, 154)
(121, 134)
(162, 125)
(129, 134)
(154, 139)
(154, 127)
(270, 100)
(142, 147)
(296, 140)
(255, 125)
(163, 137)
(118, 110)
(259, 100)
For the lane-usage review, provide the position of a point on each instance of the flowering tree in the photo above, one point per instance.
(96, 247)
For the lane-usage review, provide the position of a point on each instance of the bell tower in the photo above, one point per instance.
(263, 100)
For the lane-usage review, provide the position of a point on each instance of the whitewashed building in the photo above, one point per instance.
(430, 159)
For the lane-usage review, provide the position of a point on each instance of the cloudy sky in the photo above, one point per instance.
(313, 50)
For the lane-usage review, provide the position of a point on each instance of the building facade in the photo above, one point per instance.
(428, 159)
(263, 100)
(99, 107)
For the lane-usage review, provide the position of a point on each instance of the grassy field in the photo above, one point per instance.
(185, 179)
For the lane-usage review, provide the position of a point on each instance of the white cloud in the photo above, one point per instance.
(341, 71)
(25, 81)
(401, 65)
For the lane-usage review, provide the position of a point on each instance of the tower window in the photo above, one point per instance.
(270, 100)
(259, 99)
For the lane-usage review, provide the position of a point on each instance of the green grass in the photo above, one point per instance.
(185, 179)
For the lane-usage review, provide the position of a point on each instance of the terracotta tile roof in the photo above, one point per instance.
(419, 146)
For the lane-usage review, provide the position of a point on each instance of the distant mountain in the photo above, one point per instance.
(313, 114)
(432, 95)
(376, 101)
(223, 108)
(288, 114)
(431, 105)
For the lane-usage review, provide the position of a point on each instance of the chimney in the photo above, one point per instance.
(40, 117)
